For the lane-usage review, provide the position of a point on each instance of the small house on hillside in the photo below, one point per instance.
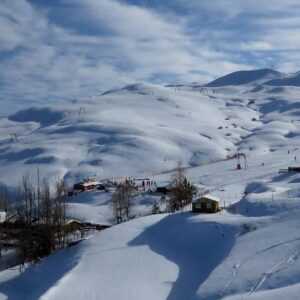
(143, 183)
(86, 185)
(72, 225)
(206, 204)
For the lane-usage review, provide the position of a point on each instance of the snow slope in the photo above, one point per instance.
(180, 256)
(257, 77)
(124, 132)
(143, 129)
(245, 77)
(251, 250)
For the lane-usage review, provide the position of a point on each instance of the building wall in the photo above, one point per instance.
(205, 205)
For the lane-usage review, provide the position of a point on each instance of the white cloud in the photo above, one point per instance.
(43, 59)
(255, 46)
(20, 24)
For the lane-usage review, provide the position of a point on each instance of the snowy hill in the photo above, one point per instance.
(245, 77)
(143, 129)
(131, 131)
(292, 80)
(250, 250)
(179, 256)
(260, 77)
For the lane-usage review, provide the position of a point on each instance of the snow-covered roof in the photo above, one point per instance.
(91, 183)
(71, 221)
(207, 196)
(88, 183)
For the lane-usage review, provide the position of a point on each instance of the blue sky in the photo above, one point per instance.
(69, 48)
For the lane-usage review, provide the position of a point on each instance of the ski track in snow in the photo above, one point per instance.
(276, 268)
(265, 276)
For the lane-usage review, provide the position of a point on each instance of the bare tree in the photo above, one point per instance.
(41, 216)
(24, 230)
(122, 201)
(4, 206)
(4, 197)
(59, 212)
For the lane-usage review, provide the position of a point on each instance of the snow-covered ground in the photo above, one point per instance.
(251, 250)
(95, 206)
(178, 256)
(142, 129)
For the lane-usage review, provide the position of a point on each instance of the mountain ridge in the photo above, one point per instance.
(245, 77)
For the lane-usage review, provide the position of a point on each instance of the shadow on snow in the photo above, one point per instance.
(38, 279)
(196, 247)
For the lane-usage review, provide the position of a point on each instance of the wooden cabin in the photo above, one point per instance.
(206, 204)
(86, 185)
(72, 225)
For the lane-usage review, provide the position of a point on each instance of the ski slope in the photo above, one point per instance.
(143, 129)
(251, 250)
(180, 256)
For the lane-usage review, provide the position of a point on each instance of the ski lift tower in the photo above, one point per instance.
(241, 157)
(150, 92)
(81, 111)
(13, 137)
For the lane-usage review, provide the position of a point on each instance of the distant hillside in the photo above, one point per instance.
(292, 80)
(143, 128)
(244, 77)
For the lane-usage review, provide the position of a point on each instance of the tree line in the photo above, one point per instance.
(40, 212)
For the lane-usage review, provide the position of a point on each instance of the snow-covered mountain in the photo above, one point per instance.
(291, 80)
(246, 77)
(142, 128)
(251, 250)
(255, 77)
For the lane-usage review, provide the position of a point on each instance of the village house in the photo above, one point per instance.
(206, 204)
(72, 225)
(86, 185)
(143, 183)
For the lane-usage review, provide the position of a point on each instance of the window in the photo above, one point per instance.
(208, 205)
